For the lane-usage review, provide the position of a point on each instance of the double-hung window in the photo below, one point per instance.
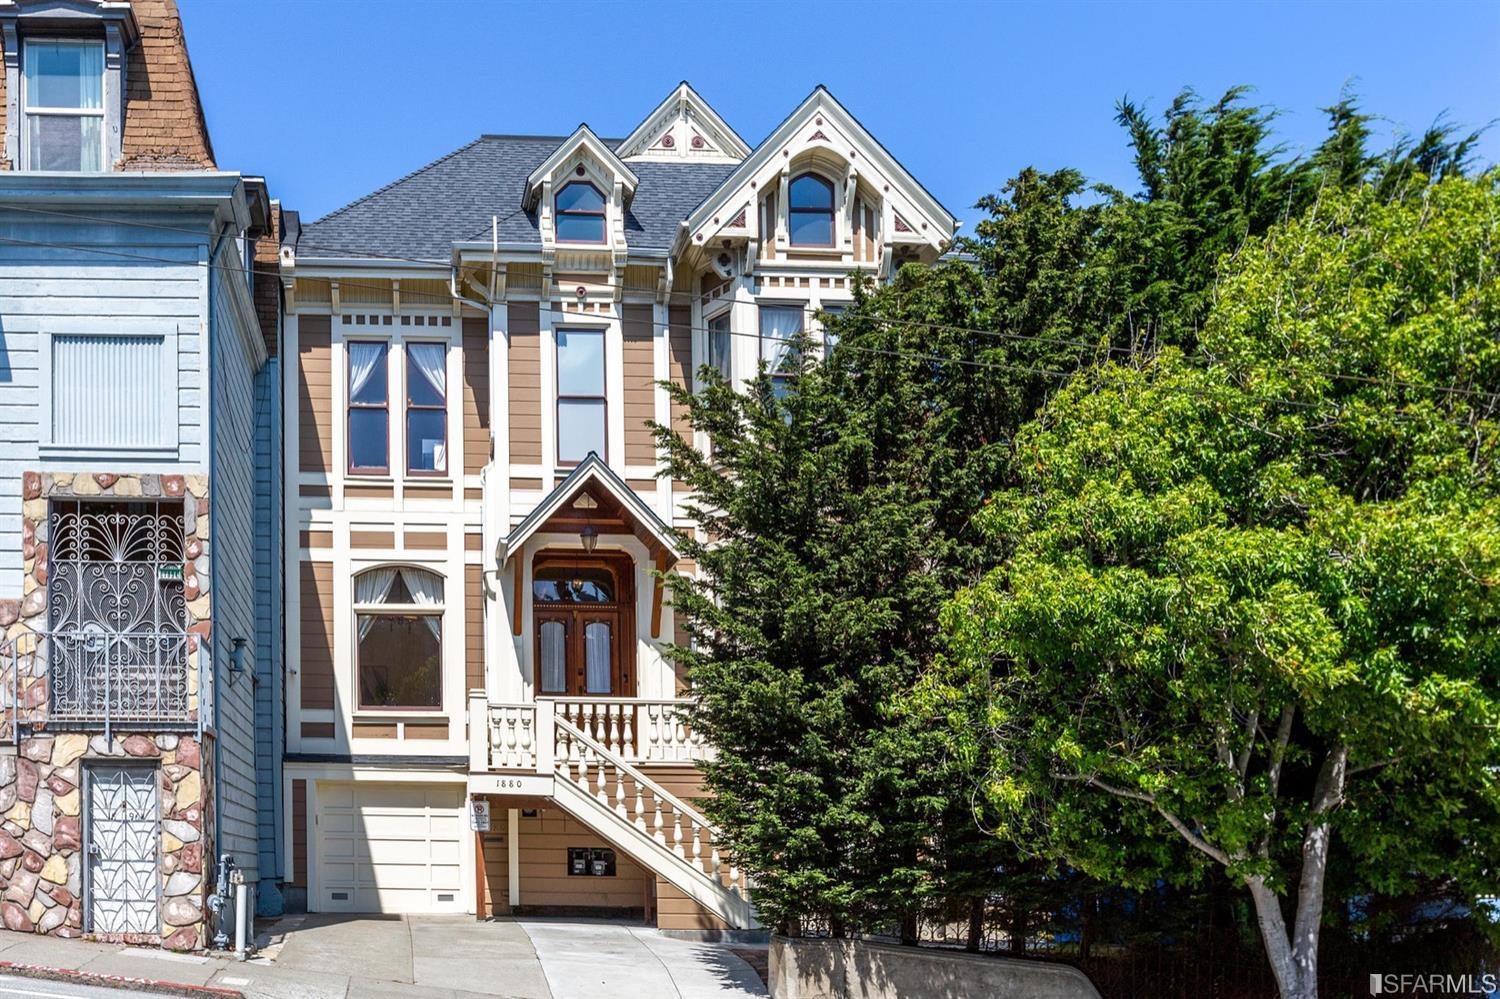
(780, 326)
(581, 404)
(62, 93)
(580, 214)
(398, 615)
(718, 343)
(369, 408)
(830, 334)
(810, 211)
(426, 408)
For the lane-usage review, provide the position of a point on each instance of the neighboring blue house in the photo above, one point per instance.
(140, 527)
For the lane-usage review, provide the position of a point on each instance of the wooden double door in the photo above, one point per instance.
(584, 623)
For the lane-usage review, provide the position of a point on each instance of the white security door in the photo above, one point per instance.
(124, 850)
(388, 847)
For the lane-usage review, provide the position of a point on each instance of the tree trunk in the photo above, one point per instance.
(976, 925)
(1018, 929)
(1294, 956)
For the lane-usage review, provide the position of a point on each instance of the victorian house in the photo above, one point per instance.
(139, 487)
(482, 712)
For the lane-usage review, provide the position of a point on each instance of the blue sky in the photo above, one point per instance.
(330, 99)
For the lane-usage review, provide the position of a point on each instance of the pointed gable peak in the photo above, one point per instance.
(684, 128)
(593, 155)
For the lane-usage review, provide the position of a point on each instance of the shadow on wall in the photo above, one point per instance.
(858, 969)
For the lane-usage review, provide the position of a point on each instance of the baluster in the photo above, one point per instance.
(697, 845)
(677, 833)
(679, 737)
(734, 879)
(627, 739)
(528, 749)
(713, 861)
(620, 794)
(564, 753)
(653, 720)
(656, 826)
(601, 786)
(510, 739)
(640, 810)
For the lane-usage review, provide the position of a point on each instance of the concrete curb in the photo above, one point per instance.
(44, 973)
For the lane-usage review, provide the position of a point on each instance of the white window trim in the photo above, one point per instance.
(166, 449)
(28, 111)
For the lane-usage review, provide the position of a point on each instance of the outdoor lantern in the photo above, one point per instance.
(589, 536)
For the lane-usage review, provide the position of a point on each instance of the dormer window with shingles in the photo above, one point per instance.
(62, 95)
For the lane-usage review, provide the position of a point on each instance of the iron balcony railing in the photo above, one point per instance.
(89, 678)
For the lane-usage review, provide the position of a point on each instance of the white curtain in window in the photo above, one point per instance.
(596, 649)
(91, 75)
(778, 327)
(554, 657)
(363, 357)
(371, 588)
(430, 360)
(426, 589)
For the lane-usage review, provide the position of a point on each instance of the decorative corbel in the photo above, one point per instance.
(288, 260)
(851, 192)
(395, 297)
(333, 294)
(498, 275)
(783, 191)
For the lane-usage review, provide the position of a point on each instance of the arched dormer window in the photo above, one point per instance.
(810, 211)
(580, 213)
(398, 615)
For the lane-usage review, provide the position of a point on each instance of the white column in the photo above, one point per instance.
(513, 855)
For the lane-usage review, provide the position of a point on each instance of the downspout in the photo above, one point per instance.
(213, 604)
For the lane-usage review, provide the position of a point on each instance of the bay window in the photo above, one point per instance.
(719, 340)
(426, 408)
(62, 95)
(581, 406)
(780, 326)
(369, 408)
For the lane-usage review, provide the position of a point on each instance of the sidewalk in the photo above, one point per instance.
(151, 971)
(410, 957)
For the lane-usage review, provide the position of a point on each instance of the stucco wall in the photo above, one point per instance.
(857, 969)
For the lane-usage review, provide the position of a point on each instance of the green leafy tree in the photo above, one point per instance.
(1247, 602)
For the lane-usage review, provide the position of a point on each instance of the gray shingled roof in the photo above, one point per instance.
(453, 199)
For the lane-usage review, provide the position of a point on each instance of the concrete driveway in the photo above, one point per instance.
(456, 957)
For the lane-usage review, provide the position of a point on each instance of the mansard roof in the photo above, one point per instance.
(453, 199)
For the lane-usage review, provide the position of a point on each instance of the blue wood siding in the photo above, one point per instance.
(232, 548)
(269, 634)
(126, 273)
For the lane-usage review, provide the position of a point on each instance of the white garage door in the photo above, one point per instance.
(388, 847)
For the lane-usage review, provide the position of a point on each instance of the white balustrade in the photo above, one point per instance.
(513, 737)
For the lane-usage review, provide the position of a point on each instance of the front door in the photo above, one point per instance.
(583, 613)
(124, 846)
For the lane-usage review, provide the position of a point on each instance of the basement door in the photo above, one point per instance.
(124, 850)
(388, 847)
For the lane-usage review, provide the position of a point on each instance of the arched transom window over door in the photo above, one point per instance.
(584, 619)
(398, 617)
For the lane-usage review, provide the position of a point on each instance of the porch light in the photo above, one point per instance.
(589, 536)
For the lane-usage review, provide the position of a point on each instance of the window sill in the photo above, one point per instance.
(401, 714)
(160, 453)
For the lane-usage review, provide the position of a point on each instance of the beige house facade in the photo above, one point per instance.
(483, 715)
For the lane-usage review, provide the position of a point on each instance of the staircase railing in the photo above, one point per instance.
(652, 809)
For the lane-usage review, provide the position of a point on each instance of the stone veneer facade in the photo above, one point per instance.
(41, 785)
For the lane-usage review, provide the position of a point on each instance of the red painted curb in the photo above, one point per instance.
(45, 973)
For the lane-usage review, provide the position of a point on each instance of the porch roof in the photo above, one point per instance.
(593, 475)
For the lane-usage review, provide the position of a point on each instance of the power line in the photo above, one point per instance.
(911, 355)
(1109, 349)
